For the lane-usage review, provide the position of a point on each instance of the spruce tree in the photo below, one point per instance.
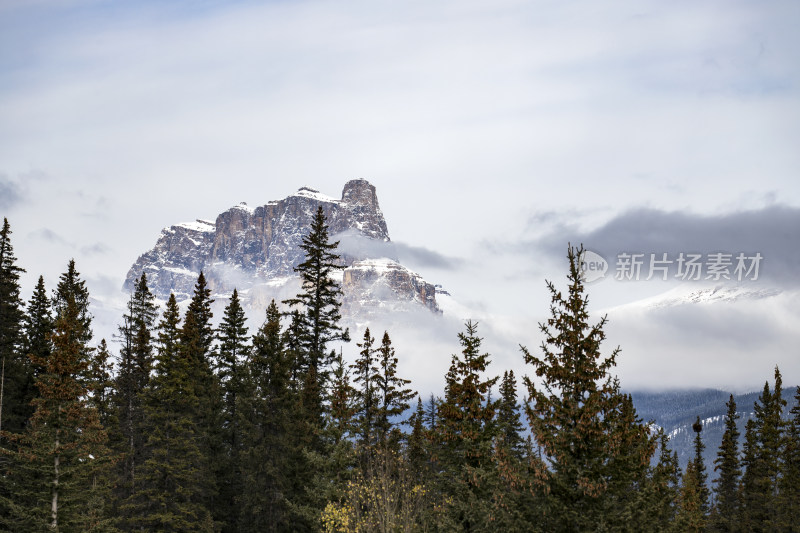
(762, 460)
(578, 417)
(234, 347)
(38, 324)
(72, 287)
(693, 510)
(17, 371)
(102, 384)
(172, 492)
(135, 364)
(60, 470)
(465, 433)
(267, 404)
(365, 378)
(393, 394)
(725, 512)
(662, 491)
(197, 348)
(509, 426)
(320, 298)
(789, 484)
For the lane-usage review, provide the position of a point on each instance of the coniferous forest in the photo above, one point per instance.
(261, 428)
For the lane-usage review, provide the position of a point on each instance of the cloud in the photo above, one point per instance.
(354, 244)
(419, 256)
(97, 248)
(50, 236)
(770, 231)
(10, 193)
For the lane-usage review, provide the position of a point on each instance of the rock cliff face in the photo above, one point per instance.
(258, 248)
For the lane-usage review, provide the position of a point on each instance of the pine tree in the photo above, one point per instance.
(509, 426)
(724, 514)
(789, 485)
(365, 378)
(72, 287)
(135, 364)
(417, 449)
(38, 324)
(172, 492)
(102, 384)
(315, 323)
(661, 492)
(18, 388)
(393, 395)
(465, 432)
(61, 467)
(321, 296)
(578, 417)
(693, 510)
(269, 403)
(233, 349)
(197, 348)
(762, 458)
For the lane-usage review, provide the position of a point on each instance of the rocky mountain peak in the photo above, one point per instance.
(258, 248)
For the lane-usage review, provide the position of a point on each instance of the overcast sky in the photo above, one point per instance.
(494, 131)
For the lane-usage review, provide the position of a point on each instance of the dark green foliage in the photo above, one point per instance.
(789, 484)
(761, 461)
(172, 491)
(269, 402)
(726, 490)
(661, 492)
(196, 347)
(320, 299)
(588, 431)
(38, 323)
(60, 469)
(102, 384)
(392, 392)
(133, 374)
(693, 509)
(509, 426)
(72, 287)
(465, 432)
(17, 370)
(365, 379)
(234, 347)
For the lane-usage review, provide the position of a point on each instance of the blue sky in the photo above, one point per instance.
(492, 130)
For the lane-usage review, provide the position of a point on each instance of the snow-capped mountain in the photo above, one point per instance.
(256, 250)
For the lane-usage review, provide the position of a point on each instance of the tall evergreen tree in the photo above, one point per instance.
(393, 393)
(60, 479)
(321, 295)
(234, 347)
(465, 432)
(38, 324)
(365, 378)
(725, 512)
(789, 485)
(269, 404)
(135, 364)
(72, 287)
(578, 417)
(661, 493)
(17, 372)
(509, 426)
(197, 349)
(172, 493)
(693, 510)
(102, 384)
(762, 460)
